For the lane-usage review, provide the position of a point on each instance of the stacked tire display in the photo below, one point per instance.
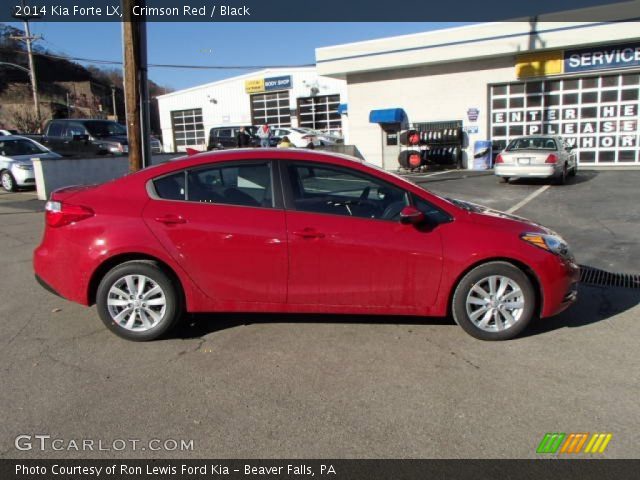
(431, 144)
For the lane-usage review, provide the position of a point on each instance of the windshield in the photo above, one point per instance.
(19, 146)
(536, 143)
(104, 128)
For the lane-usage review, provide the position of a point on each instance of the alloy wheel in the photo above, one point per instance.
(136, 303)
(495, 303)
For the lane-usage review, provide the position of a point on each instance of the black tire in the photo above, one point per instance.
(562, 178)
(477, 276)
(574, 170)
(168, 317)
(8, 182)
(504, 179)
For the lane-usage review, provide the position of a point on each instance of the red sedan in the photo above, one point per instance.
(266, 230)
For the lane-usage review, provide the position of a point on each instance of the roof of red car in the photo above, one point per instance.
(240, 154)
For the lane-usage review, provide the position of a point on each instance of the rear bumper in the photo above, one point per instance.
(536, 171)
(56, 275)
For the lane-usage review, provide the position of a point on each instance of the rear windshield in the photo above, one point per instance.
(536, 143)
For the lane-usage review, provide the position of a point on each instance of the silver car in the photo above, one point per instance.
(537, 157)
(16, 167)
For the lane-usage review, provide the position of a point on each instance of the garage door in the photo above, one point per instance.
(188, 129)
(320, 113)
(597, 114)
(272, 108)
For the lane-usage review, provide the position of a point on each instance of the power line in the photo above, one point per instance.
(162, 65)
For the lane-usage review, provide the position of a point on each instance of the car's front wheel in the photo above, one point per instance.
(8, 182)
(494, 301)
(138, 301)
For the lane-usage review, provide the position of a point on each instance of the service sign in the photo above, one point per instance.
(602, 58)
(278, 83)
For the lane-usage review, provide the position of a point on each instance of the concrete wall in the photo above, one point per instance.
(427, 94)
(53, 174)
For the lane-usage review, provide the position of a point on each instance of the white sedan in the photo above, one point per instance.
(537, 156)
(301, 138)
(16, 167)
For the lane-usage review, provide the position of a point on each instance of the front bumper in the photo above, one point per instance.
(535, 171)
(23, 177)
(560, 286)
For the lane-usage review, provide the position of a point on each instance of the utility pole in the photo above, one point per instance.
(135, 86)
(113, 100)
(28, 38)
(131, 47)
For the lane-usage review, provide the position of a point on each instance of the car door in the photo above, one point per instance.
(223, 224)
(347, 246)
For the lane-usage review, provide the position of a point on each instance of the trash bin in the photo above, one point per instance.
(482, 155)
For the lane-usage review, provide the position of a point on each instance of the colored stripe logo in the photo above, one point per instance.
(573, 443)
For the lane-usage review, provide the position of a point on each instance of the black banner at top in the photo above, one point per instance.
(319, 11)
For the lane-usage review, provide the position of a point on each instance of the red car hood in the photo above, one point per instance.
(497, 218)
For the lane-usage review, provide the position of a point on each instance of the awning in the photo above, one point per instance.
(388, 115)
(342, 109)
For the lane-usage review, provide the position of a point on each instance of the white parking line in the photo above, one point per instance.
(527, 199)
(428, 174)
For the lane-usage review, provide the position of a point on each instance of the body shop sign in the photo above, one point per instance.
(602, 58)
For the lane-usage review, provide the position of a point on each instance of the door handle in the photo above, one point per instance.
(171, 219)
(309, 233)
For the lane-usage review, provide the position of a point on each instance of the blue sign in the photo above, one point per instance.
(278, 83)
(602, 58)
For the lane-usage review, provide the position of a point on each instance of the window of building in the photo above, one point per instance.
(320, 113)
(272, 108)
(188, 129)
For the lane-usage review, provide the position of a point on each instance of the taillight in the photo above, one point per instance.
(499, 159)
(552, 158)
(58, 214)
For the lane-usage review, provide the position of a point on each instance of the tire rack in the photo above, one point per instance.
(440, 145)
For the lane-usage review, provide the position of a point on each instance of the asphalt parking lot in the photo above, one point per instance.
(291, 386)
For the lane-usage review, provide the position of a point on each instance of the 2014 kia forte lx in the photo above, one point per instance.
(266, 230)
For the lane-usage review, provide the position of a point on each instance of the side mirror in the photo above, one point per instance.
(411, 215)
(80, 138)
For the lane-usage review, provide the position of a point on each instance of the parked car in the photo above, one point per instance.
(264, 230)
(226, 137)
(538, 157)
(9, 132)
(301, 138)
(324, 137)
(16, 167)
(80, 137)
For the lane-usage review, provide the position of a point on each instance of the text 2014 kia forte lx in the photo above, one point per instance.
(268, 230)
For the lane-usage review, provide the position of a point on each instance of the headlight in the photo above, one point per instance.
(551, 243)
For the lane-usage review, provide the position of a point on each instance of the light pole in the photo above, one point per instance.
(28, 38)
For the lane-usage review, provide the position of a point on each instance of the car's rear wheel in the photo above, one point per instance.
(504, 179)
(574, 170)
(138, 301)
(494, 301)
(562, 178)
(8, 182)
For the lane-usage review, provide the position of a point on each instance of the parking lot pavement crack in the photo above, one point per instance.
(17, 334)
(198, 346)
(72, 366)
(454, 354)
(604, 227)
